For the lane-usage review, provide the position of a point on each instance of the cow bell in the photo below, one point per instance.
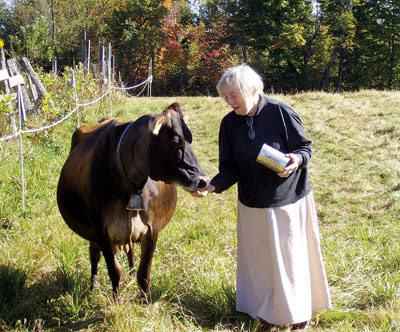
(136, 202)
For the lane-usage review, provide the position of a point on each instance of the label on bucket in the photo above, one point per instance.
(272, 158)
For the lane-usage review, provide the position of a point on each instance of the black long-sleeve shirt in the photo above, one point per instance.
(276, 124)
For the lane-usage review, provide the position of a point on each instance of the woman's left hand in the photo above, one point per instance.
(293, 166)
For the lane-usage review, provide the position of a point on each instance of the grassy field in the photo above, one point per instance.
(355, 175)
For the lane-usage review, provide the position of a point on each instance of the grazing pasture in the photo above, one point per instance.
(355, 175)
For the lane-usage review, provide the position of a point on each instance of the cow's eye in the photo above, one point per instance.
(175, 142)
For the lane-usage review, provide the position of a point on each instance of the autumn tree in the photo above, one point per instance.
(191, 59)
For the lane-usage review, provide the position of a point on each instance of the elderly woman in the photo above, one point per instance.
(280, 271)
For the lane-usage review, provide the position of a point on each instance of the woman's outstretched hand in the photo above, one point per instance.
(293, 166)
(204, 192)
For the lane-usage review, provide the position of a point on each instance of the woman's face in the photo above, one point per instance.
(234, 98)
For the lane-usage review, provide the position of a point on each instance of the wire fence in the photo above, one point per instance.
(69, 114)
(19, 132)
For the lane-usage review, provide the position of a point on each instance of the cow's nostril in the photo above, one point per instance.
(202, 184)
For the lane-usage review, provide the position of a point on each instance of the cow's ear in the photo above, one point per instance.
(176, 107)
(157, 124)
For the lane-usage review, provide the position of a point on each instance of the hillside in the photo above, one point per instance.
(355, 175)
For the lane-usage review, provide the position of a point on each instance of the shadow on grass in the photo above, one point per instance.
(208, 310)
(57, 300)
(61, 301)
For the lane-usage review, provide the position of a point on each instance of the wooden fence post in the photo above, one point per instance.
(112, 67)
(21, 106)
(14, 71)
(54, 66)
(150, 84)
(83, 48)
(41, 90)
(34, 93)
(4, 86)
(86, 63)
(108, 61)
(102, 64)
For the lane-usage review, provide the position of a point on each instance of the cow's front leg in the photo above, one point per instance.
(131, 257)
(113, 267)
(95, 254)
(148, 246)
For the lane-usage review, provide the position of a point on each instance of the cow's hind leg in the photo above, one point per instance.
(95, 254)
(148, 246)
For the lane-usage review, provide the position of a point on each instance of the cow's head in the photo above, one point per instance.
(171, 157)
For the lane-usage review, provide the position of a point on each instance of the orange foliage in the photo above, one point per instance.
(192, 54)
(168, 4)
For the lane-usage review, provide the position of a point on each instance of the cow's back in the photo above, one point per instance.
(85, 131)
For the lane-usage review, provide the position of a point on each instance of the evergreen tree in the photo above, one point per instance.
(376, 59)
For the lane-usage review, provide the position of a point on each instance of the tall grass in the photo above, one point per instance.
(355, 175)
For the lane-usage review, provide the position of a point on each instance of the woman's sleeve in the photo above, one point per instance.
(297, 141)
(228, 169)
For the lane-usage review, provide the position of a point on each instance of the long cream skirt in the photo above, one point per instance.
(280, 274)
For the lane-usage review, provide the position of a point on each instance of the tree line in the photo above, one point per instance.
(296, 45)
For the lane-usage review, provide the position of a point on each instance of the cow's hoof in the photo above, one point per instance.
(117, 298)
(144, 297)
(94, 283)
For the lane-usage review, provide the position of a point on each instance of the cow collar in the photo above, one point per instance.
(136, 191)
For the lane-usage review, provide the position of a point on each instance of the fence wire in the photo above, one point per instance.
(69, 114)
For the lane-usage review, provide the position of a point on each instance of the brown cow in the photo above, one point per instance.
(107, 163)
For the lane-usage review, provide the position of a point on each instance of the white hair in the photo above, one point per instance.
(249, 82)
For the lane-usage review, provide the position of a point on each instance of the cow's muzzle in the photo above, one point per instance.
(199, 183)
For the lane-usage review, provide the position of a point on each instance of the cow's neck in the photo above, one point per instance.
(135, 179)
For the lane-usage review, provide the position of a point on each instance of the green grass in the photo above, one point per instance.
(355, 175)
